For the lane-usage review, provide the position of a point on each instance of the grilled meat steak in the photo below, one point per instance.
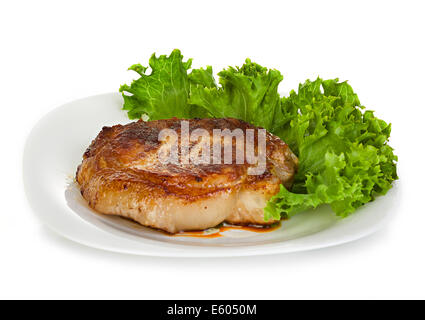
(121, 175)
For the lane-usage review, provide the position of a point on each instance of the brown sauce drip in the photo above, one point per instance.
(217, 234)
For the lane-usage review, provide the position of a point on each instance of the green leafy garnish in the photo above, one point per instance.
(248, 93)
(164, 92)
(344, 156)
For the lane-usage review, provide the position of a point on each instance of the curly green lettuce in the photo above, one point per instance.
(248, 93)
(344, 156)
(164, 92)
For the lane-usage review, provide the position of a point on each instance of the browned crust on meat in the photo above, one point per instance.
(115, 163)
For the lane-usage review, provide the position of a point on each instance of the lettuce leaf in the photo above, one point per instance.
(164, 92)
(344, 156)
(248, 93)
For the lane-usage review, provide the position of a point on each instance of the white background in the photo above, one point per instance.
(53, 52)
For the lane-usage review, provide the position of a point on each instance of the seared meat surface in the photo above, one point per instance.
(121, 175)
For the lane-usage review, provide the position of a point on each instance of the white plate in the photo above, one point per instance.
(55, 147)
